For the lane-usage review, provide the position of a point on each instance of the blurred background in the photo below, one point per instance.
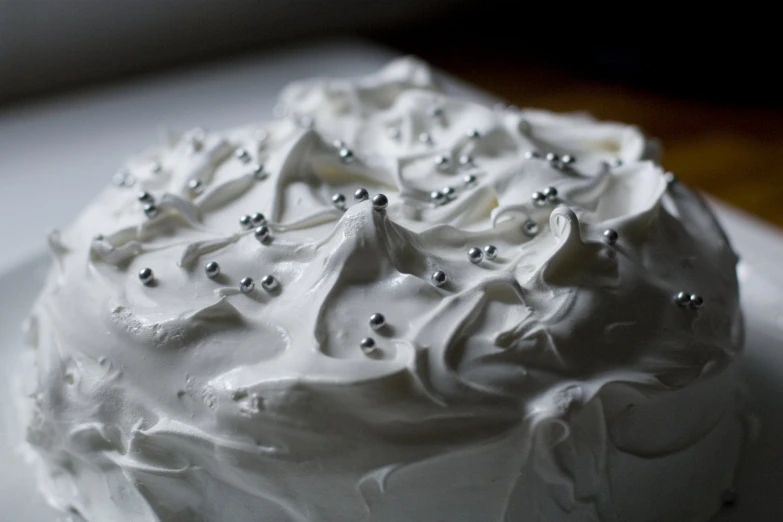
(709, 92)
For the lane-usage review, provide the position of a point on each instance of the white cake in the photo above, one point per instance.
(557, 340)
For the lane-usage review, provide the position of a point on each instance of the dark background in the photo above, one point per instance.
(708, 88)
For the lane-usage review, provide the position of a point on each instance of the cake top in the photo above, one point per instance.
(385, 262)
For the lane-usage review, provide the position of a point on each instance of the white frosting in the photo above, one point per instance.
(557, 382)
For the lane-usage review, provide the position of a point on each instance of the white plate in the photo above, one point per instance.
(220, 97)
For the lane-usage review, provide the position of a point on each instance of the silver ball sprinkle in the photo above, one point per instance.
(425, 138)
(377, 321)
(367, 345)
(339, 144)
(469, 180)
(539, 199)
(531, 154)
(242, 155)
(473, 134)
(449, 192)
(269, 282)
(610, 236)
(246, 222)
(346, 155)
(670, 178)
(361, 194)
(552, 157)
(258, 172)
(258, 219)
(442, 162)
(146, 276)
(150, 210)
(338, 200)
(380, 202)
(195, 186)
(568, 159)
(246, 285)
(696, 301)
(475, 255)
(261, 233)
(437, 197)
(145, 197)
(439, 278)
(530, 227)
(212, 269)
(550, 193)
(465, 160)
(491, 252)
(682, 298)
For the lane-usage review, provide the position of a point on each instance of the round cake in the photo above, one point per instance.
(390, 304)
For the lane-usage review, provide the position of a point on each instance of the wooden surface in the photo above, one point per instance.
(734, 153)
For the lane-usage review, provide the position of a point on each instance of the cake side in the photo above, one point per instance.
(559, 322)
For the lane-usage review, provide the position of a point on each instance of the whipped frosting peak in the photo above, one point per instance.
(528, 384)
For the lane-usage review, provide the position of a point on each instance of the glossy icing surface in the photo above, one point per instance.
(559, 379)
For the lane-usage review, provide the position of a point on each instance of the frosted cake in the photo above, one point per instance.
(390, 304)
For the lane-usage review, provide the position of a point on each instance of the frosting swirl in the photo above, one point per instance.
(197, 401)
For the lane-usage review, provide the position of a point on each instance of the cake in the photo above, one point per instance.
(389, 304)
